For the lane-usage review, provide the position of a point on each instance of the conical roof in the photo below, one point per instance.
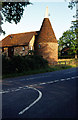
(46, 32)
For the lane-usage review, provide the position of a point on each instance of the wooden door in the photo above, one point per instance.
(10, 51)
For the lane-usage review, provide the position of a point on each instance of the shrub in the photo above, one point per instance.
(18, 64)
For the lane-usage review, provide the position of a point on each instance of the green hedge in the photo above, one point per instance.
(18, 64)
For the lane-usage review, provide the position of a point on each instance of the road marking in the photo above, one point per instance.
(17, 89)
(25, 87)
(42, 83)
(12, 90)
(40, 95)
(5, 92)
(20, 87)
(33, 85)
(62, 79)
(73, 77)
(50, 82)
(56, 80)
(68, 78)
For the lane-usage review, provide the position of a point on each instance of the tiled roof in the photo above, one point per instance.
(17, 39)
(46, 32)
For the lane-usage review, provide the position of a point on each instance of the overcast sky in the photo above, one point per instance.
(60, 18)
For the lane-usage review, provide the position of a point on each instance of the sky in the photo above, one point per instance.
(60, 18)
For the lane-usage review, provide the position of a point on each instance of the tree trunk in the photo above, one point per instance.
(75, 55)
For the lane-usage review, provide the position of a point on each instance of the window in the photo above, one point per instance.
(23, 48)
(39, 46)
(11, 37)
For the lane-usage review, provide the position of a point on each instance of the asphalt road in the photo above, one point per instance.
(46, 95)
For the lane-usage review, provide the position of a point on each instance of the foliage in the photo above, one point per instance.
(68, 40)
(74, 3)
(19, 64)
(12, 12)
(42, 70)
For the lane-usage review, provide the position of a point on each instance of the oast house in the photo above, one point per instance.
(43, 42)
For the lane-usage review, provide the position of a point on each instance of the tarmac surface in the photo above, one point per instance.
(45, 95)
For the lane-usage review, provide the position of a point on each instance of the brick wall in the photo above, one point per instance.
(23, 50)
(49, 51)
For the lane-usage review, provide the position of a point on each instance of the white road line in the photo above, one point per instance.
(73, 77)
(19, 88)
(56, 80)
(40, 95)
(50, 82)
(5, 92)
(12, 90)
(42, 83)
(68, 78)
(33, 85)
(62, 79)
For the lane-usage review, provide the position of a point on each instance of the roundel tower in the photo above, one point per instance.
(46, 43)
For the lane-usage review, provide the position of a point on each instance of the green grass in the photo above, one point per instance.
(48, 69)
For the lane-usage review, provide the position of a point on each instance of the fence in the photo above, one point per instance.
(64, 62)
(70, 62)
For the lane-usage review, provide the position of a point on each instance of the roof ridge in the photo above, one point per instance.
(23, 33)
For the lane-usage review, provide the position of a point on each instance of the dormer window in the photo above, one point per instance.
(23, 48)
(11, 37)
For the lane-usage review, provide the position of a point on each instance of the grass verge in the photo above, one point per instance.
(48, 69)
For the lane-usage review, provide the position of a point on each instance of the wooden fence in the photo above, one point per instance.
(64, 62)
(71, 62)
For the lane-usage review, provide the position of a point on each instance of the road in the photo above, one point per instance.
(45, 95)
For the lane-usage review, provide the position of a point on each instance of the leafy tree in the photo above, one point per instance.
(74, 3)
(12, 12)
(74, 27)
(68, 40)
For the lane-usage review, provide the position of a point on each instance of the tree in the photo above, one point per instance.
(74, 27)
(68, 40)
(12, 12)
(74, 3)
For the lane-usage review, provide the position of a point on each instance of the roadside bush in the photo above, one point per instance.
(19, 64)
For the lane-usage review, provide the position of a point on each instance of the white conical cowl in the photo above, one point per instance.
(46, 13)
